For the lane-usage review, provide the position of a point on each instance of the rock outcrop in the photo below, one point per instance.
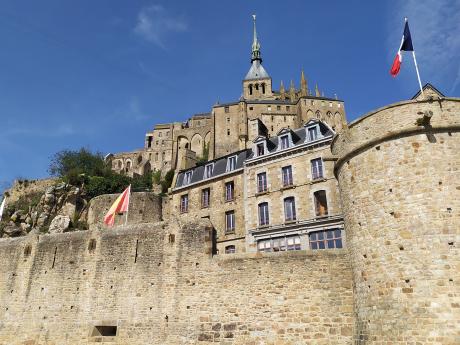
(48, 206)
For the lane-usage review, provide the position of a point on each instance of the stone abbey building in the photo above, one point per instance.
(232, 126)
(298, 229)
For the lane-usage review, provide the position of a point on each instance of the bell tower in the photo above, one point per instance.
(257, 84)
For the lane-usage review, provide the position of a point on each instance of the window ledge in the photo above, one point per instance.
(288, 187)
(227, 201)
(323, 216)
(229, 232)
(261, 193)
(289, 222)
(263, 226)
(204, 207)
(320, 179)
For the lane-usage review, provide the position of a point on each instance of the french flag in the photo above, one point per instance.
(406, 45)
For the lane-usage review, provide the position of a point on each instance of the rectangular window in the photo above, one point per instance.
(104, 331)
(184, 203)
(160, 134)
(320, 203)
(284, 142)
(188, 178)
(227, 109)
(328, 239)
(260, 149)
(230, 221)
(208, 170)
(251, 108)
(316, 169)
(288, 108)
(286, 174)
(289, 209)
(278, 107)
(231, 163)
(279, 244)
(269, 108)
(262, 182)
(229, 191)
(230, 250)
(263, 214)
(312, 134)
(205, 193)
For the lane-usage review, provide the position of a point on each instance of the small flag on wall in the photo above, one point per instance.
(119, 206)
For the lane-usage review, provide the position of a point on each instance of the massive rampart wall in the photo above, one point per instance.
(400, 190)
(158, 284)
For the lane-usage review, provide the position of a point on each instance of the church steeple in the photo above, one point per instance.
(256, 71)
(255, 55)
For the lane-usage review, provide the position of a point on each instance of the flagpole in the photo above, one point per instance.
(418, 74)
(127, 209)
(416, 67)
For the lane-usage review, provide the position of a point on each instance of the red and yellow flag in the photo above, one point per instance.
(120, 205)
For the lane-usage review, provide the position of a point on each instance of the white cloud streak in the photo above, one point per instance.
(154, 24)
(435, 33)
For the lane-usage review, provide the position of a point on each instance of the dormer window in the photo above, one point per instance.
(188, 177)
(284, 142)
(208, 170)
(312, 133)
(231, 163)
(260, 149)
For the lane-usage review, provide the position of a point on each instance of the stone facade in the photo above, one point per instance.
(159, 284)
(291, 197)
(216, 204)
(399, 175)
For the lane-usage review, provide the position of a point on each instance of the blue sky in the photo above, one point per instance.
(101, 73)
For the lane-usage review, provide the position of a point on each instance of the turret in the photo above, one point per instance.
(397, 169)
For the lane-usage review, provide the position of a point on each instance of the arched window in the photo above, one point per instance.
(250, 89)
(128, 165)
(257, 87)
(163, 156)
(263, 87)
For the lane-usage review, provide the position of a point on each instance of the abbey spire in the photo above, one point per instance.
(255, 55)
(256, 71)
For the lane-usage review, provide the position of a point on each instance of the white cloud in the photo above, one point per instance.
(435, 33)
(154, 23)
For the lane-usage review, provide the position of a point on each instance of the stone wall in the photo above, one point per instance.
(144, 207)
(400, 190)
(158, 284)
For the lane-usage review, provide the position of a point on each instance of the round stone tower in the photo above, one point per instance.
(399, 175)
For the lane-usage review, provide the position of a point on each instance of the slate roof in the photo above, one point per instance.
(220, 166)
(257, 71)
